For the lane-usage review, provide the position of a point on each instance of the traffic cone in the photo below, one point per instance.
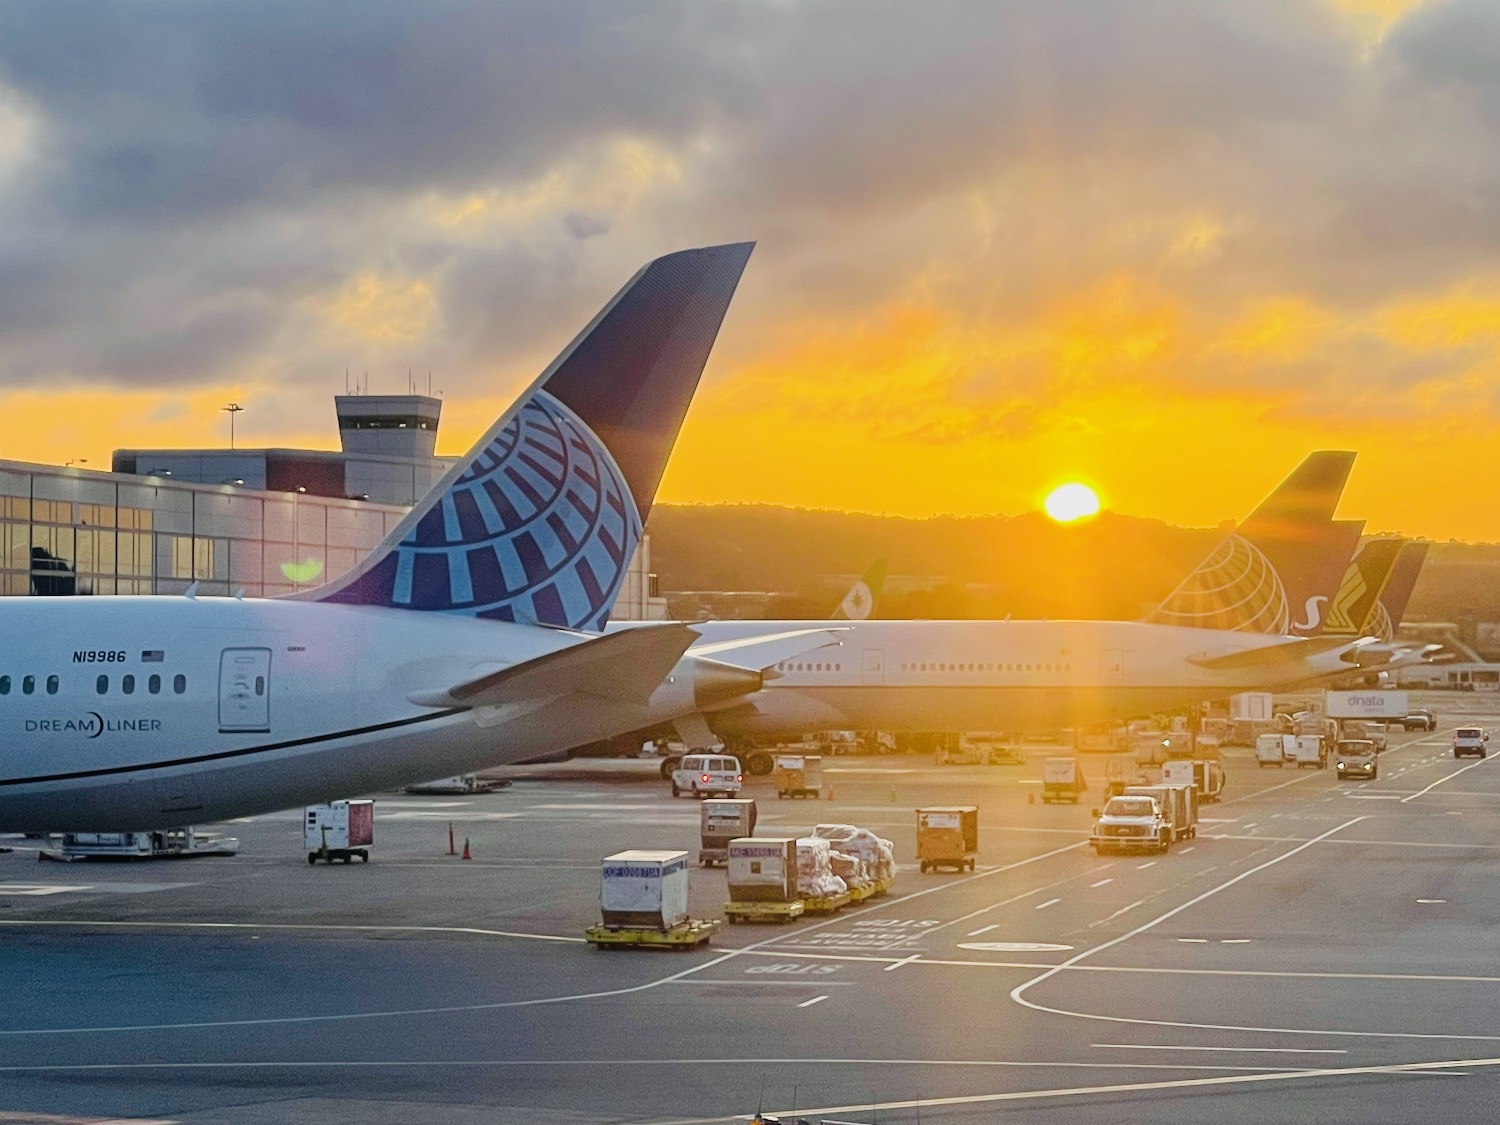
(893, 794)
(1031, 798)
(466, 848)
(830, 792)
(451, 849)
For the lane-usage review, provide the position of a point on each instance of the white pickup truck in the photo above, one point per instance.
(1130, 824)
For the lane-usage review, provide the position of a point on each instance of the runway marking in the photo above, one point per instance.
(1011, 947)
(810, 1003)
(1117, 913)
(1049, 902)
(86, 922)
(1246, 1050)
(1432, 900)
(982, 930)
(1184, 851)
(1234, 941)
(1143, 866)
(1445, 777)
(1193, 940)
(1100, 883)
(802, 983)
(36, 890)
(904, 961)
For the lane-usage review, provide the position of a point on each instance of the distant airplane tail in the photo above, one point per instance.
(538, 523)
(1353, 609)
(1391, 607)
(1281, 563)
(860, 602)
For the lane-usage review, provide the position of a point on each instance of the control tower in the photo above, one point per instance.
(388, 425)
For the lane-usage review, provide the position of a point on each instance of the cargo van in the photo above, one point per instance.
(1470, 740)
(707, 775)
(1275, 749)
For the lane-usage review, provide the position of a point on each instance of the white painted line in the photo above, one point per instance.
(1143, 866)
(1432, 900)
(1117, 913)
(1049, 902)
(1246, 1050)
(983, 930)
(1193, 940)
(810, 1003)
(1009, 947)
(1184, 851)
(904, 961)
(759, 984)
(1234, 941)
(1100, 883)
(1446, 777)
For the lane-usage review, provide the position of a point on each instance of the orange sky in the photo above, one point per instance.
(972, 282)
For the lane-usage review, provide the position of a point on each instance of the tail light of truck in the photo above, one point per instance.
(707, 778)
(740, 778)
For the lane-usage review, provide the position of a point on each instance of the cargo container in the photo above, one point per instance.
(763, 869)
(644, 889)
(1311, 751)
(339, 830)
(798, 775)
(948, 837)
(1062, 780)
(1275, 749)
(1178, 805)
(722, 820)
(1206, 778)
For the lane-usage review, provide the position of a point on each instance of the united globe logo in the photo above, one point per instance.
(1236, 588)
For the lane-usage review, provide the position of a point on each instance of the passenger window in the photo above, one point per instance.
(260, 685)
(179, 683)
(52, 685)
(28, 684)
(127, 684)
(153, 685)
(4, 685)
(101, 685)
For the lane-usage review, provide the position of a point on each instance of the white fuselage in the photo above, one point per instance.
(279, 703)
(989, 675)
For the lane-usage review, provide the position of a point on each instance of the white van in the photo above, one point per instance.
(1470, 740)
(707, 775)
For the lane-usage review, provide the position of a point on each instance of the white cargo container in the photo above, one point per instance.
(1206, 777)
(644, 889)
(1275, 749)
(1178, 804)
(763, 869)
(1312, 751)
(1251, 706)
(339, 830)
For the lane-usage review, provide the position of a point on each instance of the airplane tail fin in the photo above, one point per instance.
(1261, 575)
(1353, 608)
(860, 602)
(538, 523)
(1398, 588)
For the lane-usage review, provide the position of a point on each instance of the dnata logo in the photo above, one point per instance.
(90, 724)
(1365, 700)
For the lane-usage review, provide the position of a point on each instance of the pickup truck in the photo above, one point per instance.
(1130, 824)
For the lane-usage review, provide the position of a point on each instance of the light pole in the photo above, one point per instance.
(232, 409)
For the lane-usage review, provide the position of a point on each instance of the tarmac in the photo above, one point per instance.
(1322, 951)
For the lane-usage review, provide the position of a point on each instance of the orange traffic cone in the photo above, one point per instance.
(466, 848)
(830, 792)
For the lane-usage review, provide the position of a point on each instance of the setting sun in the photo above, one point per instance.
(1070, 502)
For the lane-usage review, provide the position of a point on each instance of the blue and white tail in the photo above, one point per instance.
(538, 523)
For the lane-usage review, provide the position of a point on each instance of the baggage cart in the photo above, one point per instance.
(722, 819)
(948, 836)
(339, 830)
(687, 935)
(827, 904)
(798, 775)
(1062, 780)
(763, 911)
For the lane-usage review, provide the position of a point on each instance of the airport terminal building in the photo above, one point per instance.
(261, 521)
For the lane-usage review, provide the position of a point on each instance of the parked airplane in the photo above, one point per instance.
(473, 626)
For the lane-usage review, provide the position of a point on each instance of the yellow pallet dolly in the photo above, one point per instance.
(689, 935)
(763, 911)
(884, 885)
(859, 894)
(828, 904)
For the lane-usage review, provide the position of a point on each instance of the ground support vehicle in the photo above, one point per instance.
(1356, 758)
(169, 843)
(948, 836)
(707, 775)
(688, 935)
(1355, 730)
(883, 886)
(1206, 777)
(1419, 718)
(798, 775)
(720, 821)
(764, 911)
(1312, 751)
(1132, 822)
(862, 894)
(1062, 780)
(339, 830)
(1469, 741)
(827, 904)
(1275, 750)
(1179, 807)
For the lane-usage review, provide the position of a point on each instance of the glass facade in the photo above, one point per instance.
(67, 531)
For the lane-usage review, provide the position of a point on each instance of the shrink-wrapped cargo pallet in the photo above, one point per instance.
(863, 844)
(815, 877)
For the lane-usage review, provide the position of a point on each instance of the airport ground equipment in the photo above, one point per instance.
(688, 935)
(947, 836)
(1378, 706)
(1130, 822)
(1356, 758)
(644, 889)
(721, 820)
(1178, 806)
(1372, 730)
(1311, 751)
(762, 879)
(1062, 780)
(1275, 750)
(826, 904)
(798, 775)
(1470, 741)
(1419, 718)
(339, 830)
(708, 775)
(1206, 777)
(459, 783)
(168, 843)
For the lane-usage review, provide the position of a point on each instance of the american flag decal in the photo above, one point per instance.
(153, 656)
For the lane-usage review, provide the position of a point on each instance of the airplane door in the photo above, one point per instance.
(245, 690)
(1112, 666)
(874, 666)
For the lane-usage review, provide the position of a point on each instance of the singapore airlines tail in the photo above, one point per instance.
(1391, 607)
(1354, 609)
(1278, 567)
(539, 522)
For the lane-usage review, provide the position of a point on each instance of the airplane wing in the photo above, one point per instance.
(626, 666)
(756, 654)
(1290, 651)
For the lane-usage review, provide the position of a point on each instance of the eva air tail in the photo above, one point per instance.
(860, 602)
